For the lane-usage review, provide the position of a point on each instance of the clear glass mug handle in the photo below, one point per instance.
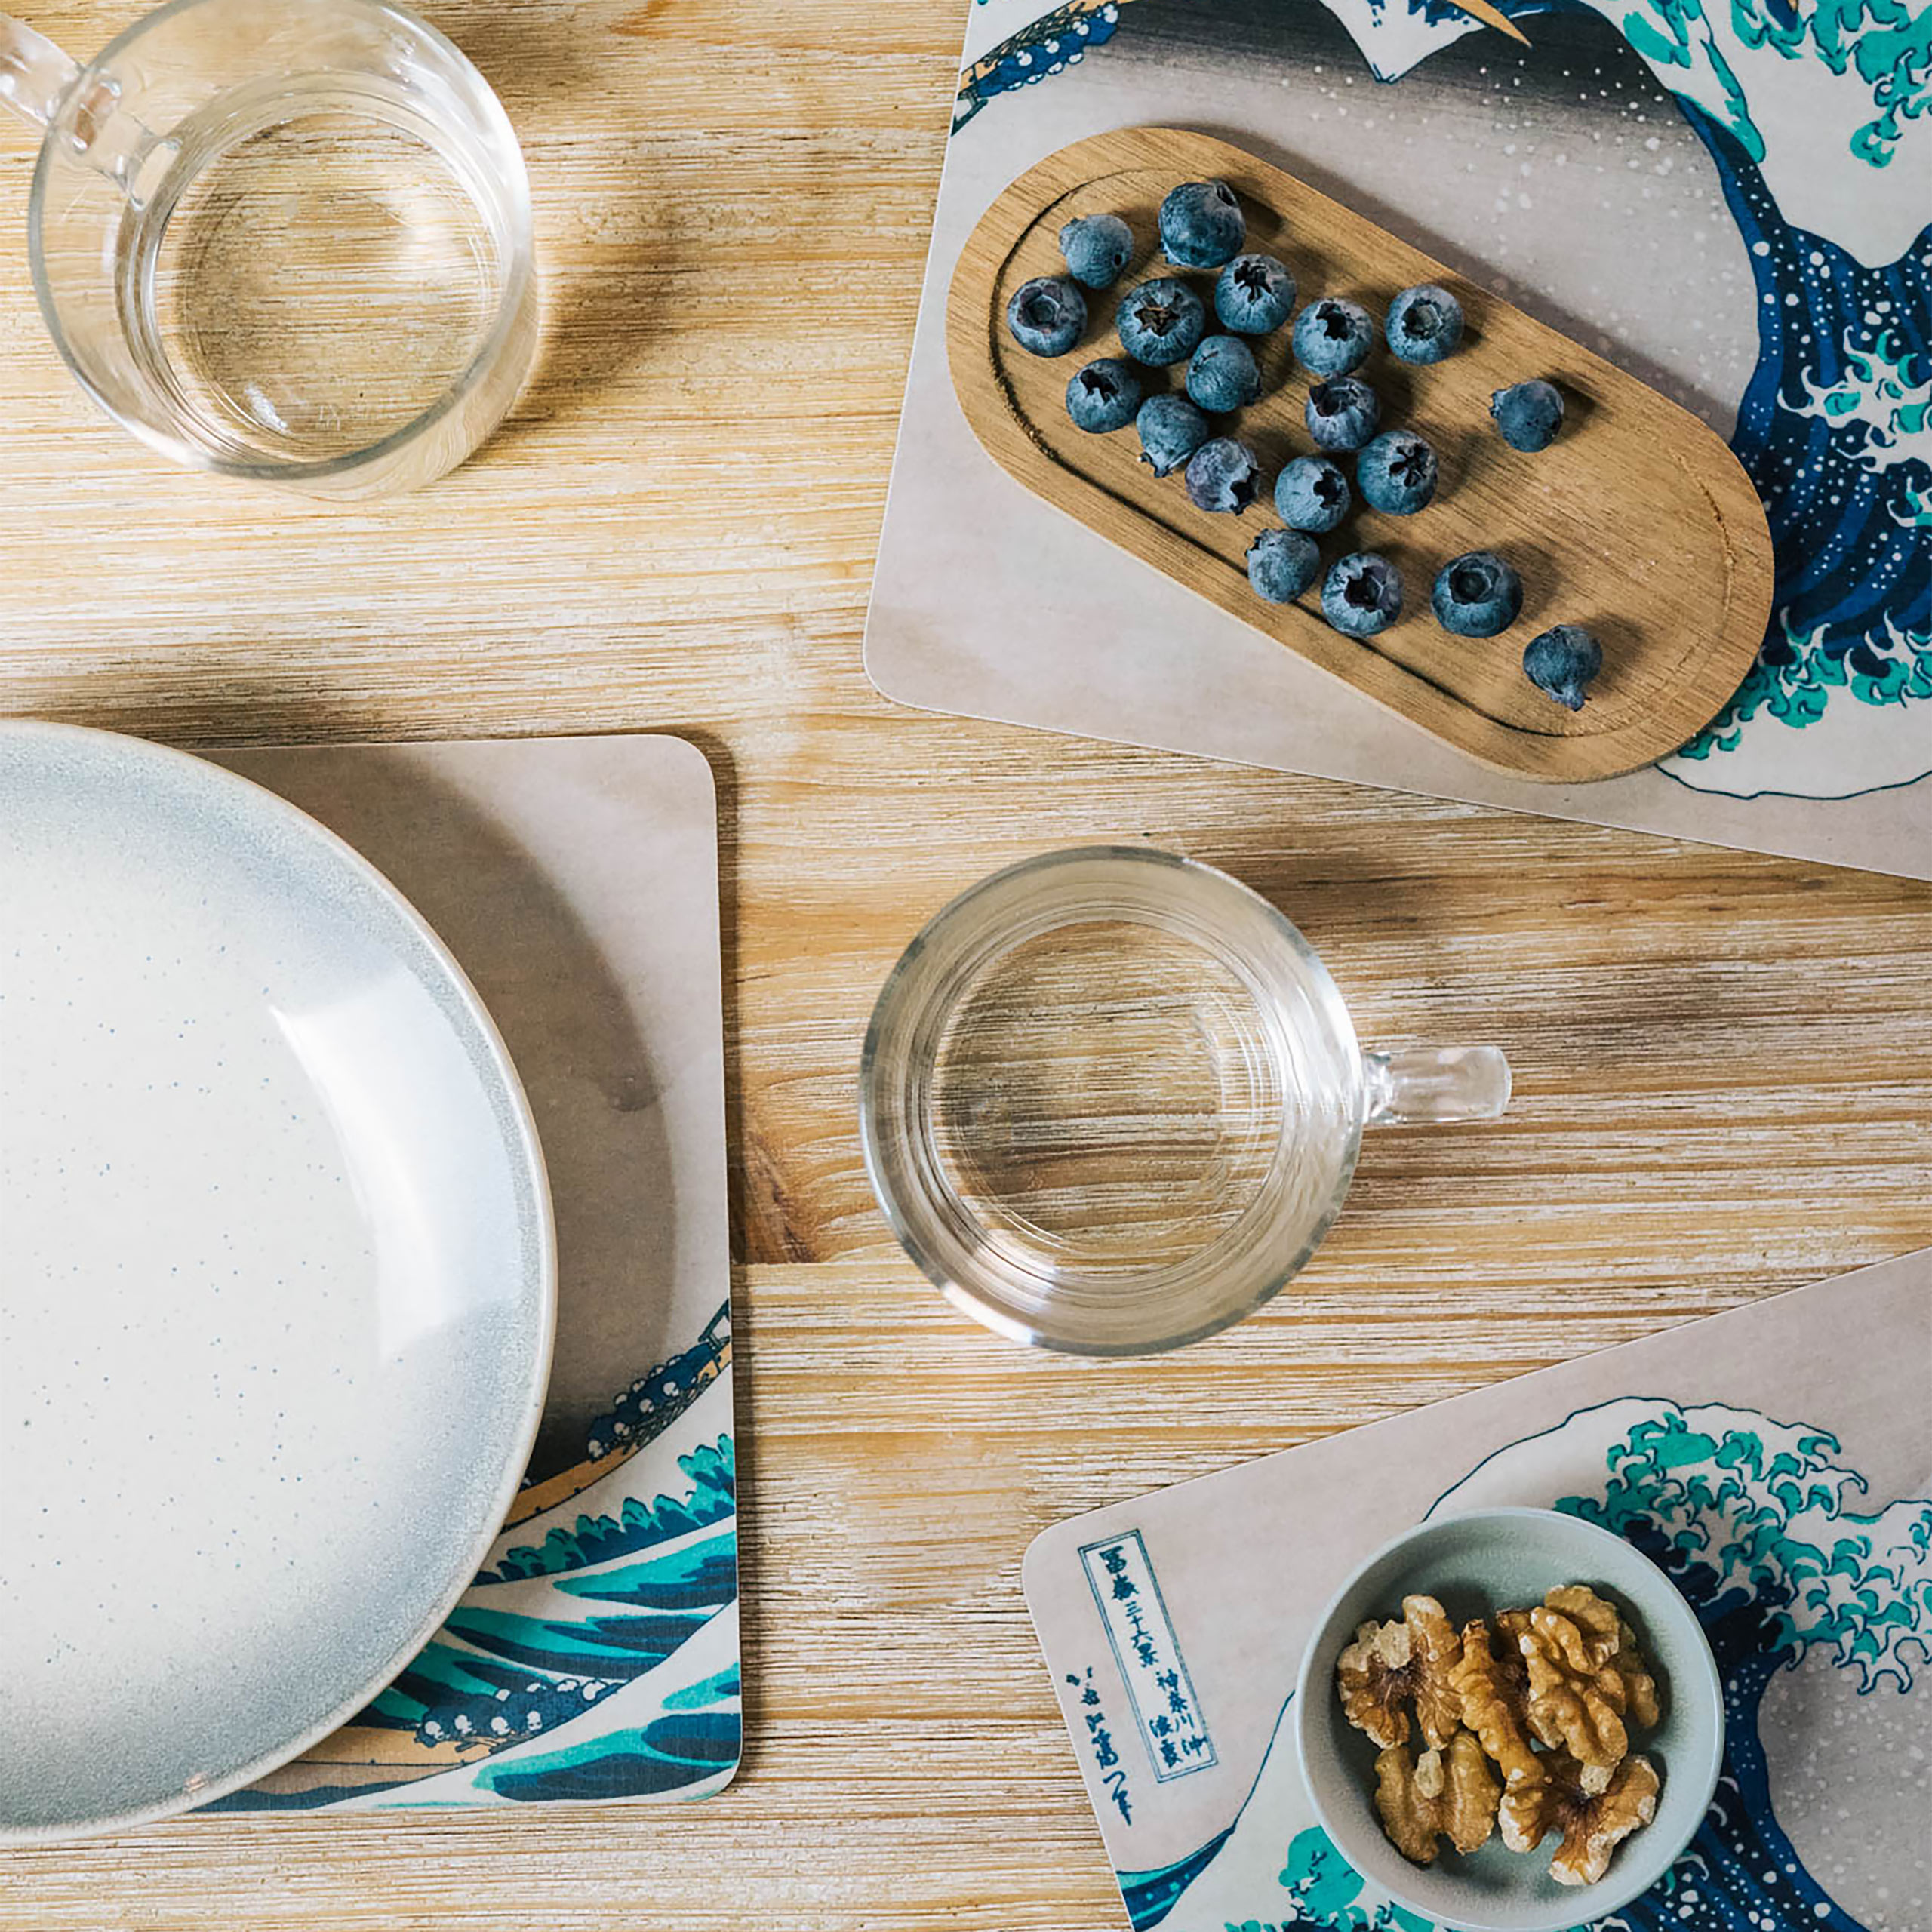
(36, 77)
(33, 73)
(1435, 1084)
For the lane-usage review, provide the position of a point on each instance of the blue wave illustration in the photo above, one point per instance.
(495, 1674)
(1754, 1526)
(663, 1757)
(1833, 431)
(1151, 1896)
(583, 1663)
(1047, 46)
(1833, 426)
(658, 1396)
(637, 1525)
(697, 1737)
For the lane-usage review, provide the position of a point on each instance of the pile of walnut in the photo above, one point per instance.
(1548, 1701)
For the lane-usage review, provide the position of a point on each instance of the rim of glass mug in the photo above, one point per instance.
(47, 88)
(1228, 1276)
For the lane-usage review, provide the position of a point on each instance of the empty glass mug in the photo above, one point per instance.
(287, 240)
(1110, 1100)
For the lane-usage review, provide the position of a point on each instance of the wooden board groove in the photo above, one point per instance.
(1638, 523)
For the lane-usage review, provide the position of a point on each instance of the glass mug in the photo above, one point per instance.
(1110, 1100)
(286, 240)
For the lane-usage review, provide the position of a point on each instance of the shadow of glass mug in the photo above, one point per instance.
(284, 240)
(1110, 1100)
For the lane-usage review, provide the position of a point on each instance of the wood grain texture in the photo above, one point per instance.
(1638, 523)
(1722, 1059)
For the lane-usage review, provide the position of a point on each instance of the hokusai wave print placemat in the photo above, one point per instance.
(1730, 201)
(1776, 1461)
(596, 1655)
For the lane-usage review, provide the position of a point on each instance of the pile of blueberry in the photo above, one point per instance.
(1165, 321)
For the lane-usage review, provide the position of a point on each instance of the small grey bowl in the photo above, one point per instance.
(1478, 1564)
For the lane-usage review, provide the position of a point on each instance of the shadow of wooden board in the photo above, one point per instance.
(1638, 523)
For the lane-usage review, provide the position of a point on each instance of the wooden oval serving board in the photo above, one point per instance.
(1637, 522)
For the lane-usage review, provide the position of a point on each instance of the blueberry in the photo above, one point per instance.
(1562, 661)
(1362, 595)
(1312, 494)
(1097, 248)
(1047, 316)
(1253, 294)
(1528, 414)
(1477, 594)
(1281, 564)
(1222, 375)
(1171, 430)
(1224, 475)
(1425, 323)
(1104, 395)
(1201, 224)
(1160, 322)
(1341, 413)
(1332, 337)
(1396, 473)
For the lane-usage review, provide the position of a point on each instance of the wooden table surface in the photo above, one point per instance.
(1721, 1060)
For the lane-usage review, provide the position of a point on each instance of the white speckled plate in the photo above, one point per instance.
(277, 1280)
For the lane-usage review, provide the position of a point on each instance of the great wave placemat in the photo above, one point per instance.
(1777, 1461)
(1731, 203)
(596, 1655)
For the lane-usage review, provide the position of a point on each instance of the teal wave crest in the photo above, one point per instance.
(712, 1498)
(1765, 1507)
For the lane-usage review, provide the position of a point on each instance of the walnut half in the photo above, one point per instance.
(1594, 1642)
(1575, 1693)
(1494, 1694)
(1593, 1823)
(1640, 1706)
(1451, 1793)
(1392, 1668)
(1593, 1629)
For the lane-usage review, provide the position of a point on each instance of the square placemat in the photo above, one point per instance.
(1775, 1461)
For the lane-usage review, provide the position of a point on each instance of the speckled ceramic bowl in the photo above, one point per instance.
(1477, 1565)
(276, 1290)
